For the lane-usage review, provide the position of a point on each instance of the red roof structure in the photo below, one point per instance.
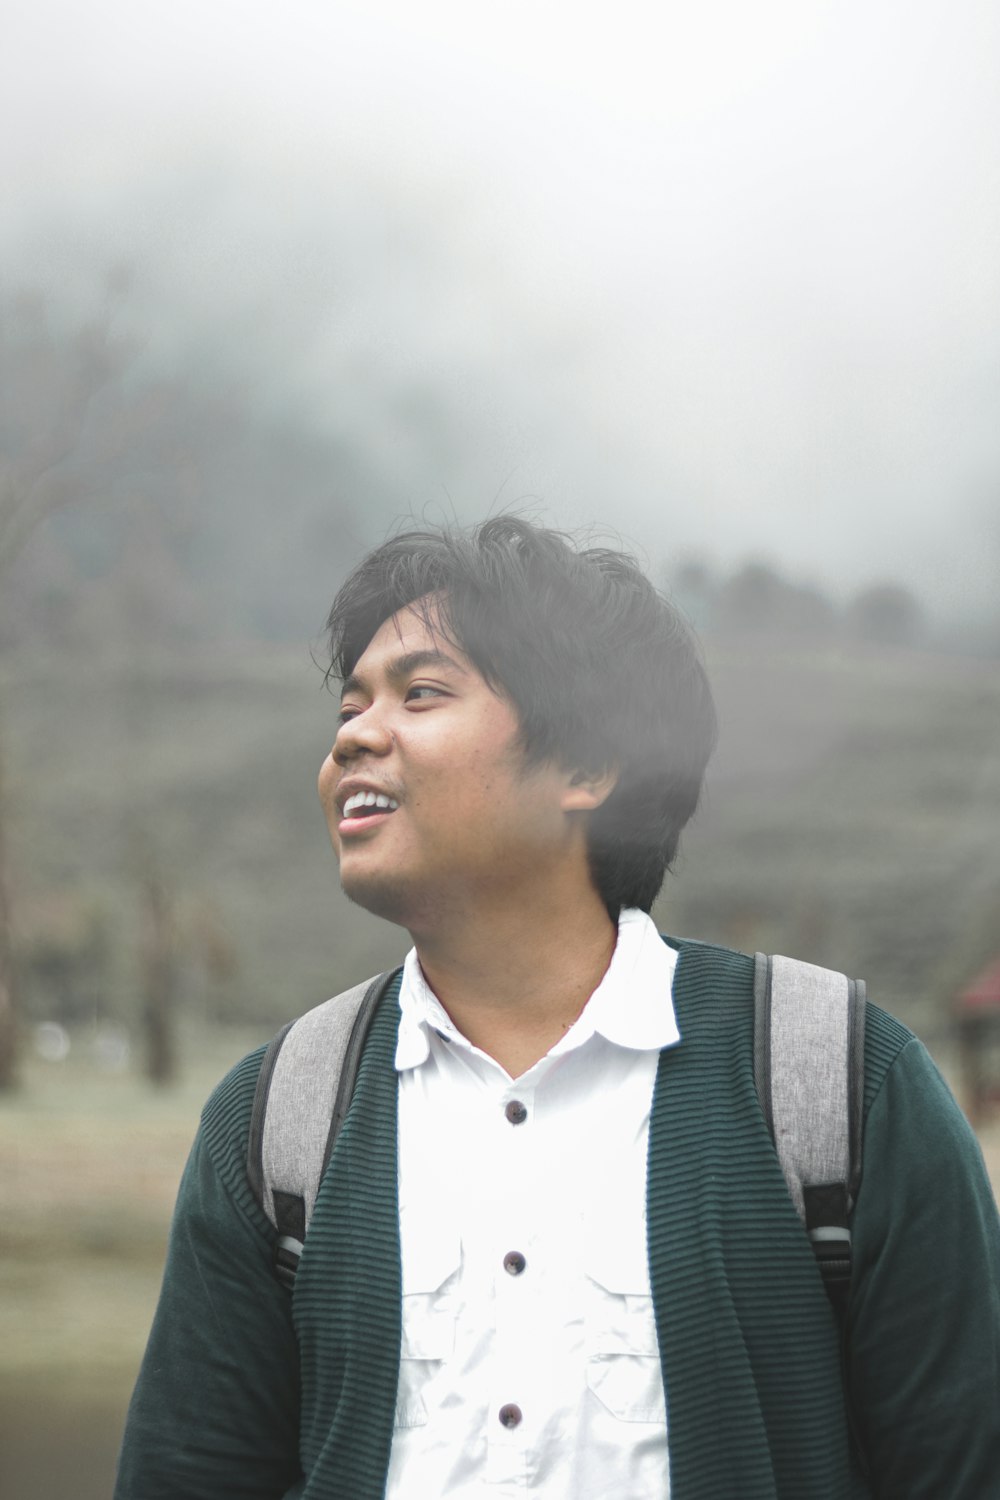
(983, 994)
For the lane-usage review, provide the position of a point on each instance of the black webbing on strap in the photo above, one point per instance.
(827, 1224)
(290, 1214)
(828, 1209)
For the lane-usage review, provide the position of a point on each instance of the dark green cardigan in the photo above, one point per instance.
(244, 1393)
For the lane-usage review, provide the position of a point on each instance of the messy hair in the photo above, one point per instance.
(602, 671)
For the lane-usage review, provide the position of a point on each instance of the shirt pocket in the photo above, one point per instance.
(431, 1266)
(623, 1355)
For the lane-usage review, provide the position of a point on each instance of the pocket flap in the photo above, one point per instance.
(626, 1327)
(620, 1317)
(428, 1329)
(432, 1260)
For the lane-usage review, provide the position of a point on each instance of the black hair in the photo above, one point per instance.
(602, 671)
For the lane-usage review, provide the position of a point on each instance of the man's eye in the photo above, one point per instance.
(422, 690)
(346, 714)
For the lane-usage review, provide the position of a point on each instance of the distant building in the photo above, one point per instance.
(977, 1016)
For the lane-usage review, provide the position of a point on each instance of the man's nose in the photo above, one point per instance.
(364, 733)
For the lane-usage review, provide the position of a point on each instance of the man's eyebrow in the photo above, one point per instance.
(404, 666)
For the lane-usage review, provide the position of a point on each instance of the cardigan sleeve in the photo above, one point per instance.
(924, 1333)
(215, 1409)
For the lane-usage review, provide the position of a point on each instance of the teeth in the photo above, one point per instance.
(368, 799)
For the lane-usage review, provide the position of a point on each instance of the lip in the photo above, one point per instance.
(351, 827)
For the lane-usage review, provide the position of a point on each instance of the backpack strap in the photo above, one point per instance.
(809, 1043)
(809, 1065)
(304, 1090)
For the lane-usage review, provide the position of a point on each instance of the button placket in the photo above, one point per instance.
(515, 1317)
(517, 1146)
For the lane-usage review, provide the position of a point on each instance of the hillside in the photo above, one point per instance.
(852, 816)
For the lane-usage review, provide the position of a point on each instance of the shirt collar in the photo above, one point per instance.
(422, 1013)
(631, 1007)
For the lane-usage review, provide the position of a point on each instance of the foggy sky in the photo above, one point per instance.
(722, 277)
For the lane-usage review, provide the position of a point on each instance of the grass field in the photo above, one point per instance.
(89, 1165)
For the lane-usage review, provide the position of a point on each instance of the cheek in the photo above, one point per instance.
(326, 783)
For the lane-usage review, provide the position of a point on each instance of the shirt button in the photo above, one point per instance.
(510, 1416)
(516, 1113)
(514, 1262)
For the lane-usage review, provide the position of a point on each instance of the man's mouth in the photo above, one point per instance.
(361, 805)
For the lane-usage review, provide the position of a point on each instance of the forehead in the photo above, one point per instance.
(413, 629)
(413, 637)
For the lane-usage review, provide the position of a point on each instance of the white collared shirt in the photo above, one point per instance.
(529, 1360)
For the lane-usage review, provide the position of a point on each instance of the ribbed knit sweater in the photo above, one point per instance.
(247, 1392)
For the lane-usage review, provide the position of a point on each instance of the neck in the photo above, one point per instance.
(514, 981)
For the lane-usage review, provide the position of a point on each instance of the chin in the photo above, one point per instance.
(416, 905)
(383, 897)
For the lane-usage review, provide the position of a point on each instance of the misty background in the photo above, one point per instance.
(721, 284)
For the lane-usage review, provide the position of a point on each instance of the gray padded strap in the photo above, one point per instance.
(810, 1030)
(300, 1099)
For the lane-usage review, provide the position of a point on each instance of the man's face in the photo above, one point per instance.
(463, 822)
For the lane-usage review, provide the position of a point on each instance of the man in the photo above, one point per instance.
(553, 1253)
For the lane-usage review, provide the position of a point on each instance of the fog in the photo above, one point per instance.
(724, 278)
(721, 279)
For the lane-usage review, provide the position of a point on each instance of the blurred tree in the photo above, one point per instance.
(219, 957)
(159, 975)
(886, 614)
(757, 599)
(8, 998)
(58, 432)
(64, 959)
(751, 600)
(79, 422)
(809, 615)
(692, 587)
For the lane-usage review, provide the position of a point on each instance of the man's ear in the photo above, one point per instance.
(586, 790)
